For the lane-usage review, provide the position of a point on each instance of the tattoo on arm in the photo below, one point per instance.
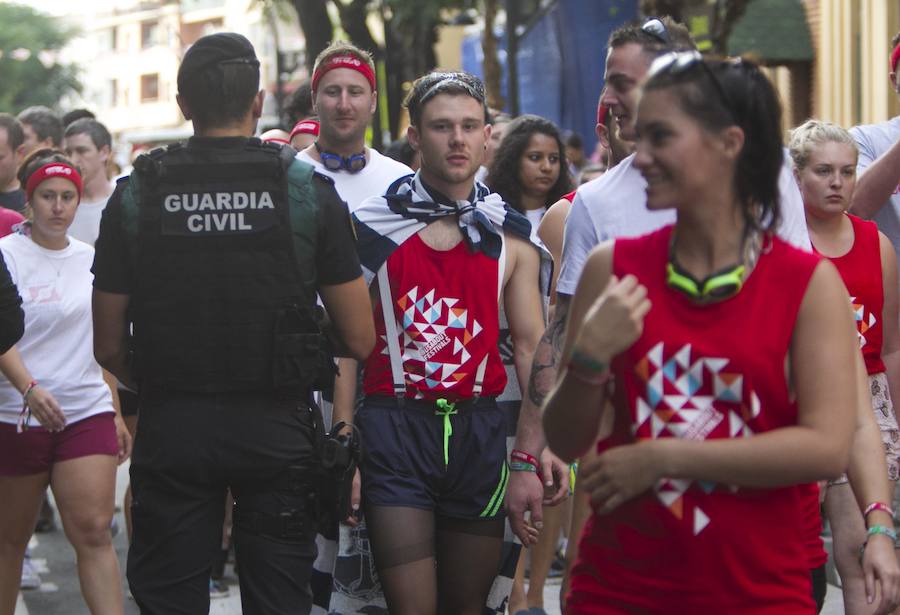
(548, 353)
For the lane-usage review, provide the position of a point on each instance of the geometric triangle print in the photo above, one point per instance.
(700, 520)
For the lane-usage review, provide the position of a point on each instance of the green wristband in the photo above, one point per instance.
(583, 361)
(522, 466)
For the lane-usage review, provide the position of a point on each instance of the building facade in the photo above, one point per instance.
(130, 53)
(852, 41)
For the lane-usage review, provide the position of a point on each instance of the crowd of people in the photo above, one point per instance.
(376, 377)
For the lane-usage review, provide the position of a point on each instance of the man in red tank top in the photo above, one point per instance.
(446, 254)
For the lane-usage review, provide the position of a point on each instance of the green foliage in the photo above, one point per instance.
(29, 81)
(426, 10)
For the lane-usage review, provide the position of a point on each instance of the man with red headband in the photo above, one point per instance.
(877, 193)
(344, 98)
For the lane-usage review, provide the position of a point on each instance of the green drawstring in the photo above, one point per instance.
(445, 409)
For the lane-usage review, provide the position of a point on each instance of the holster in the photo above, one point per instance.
(339, 455)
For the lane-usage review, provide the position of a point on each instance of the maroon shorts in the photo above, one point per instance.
(36, 450)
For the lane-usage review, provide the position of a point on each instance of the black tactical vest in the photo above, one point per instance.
(224, 295)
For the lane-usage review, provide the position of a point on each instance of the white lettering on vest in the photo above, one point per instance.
(223, 200)
(195, 223)
(207, 203)
(218, 201)
(265, 201)
(199, 223)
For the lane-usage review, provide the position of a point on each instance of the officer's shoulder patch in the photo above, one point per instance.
(321, 176)
(352, 226)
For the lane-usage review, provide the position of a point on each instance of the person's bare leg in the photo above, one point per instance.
(543, 554)
(518, 601)
(130, 423)
(85, 494)
(21, 497)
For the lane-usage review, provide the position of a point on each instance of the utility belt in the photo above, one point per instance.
(149, 389)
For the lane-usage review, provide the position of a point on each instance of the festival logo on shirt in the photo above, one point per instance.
(43, 293)
(690, 397)
(429, 327)
(865, 320)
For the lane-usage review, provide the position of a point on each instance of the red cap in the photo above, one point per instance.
(602, 112)
(895, 56)
(305, 127)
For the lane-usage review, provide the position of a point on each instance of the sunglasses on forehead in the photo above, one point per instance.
(678, 62)
(657, 29)
(459, 80)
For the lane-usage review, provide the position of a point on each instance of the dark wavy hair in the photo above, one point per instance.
(734, 93)
(503, 176)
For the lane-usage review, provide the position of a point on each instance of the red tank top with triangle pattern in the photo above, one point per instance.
(860, 268)
(703, 372)
(446, 308)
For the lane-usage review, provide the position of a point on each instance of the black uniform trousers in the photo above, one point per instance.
(191, 447)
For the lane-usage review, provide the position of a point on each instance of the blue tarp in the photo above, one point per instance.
(561, 59)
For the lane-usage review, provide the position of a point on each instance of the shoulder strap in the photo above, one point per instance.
(299, 190)
(391, 332)
(501, 271)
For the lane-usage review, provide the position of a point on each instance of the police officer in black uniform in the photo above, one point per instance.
(12, 318)
(213, 253)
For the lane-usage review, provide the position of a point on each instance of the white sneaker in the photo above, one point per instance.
(30, 578)
(218, 589)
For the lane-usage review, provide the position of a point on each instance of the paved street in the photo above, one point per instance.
(60, 595)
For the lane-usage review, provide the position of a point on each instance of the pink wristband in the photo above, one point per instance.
(878, 506)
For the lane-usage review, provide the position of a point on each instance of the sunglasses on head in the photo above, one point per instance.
(679, 62)
(473, 88)
(657, 29)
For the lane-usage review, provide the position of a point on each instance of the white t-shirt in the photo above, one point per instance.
(86, 225)
(615, 205)
(534, 216)
(874, 140)
(58, 345)
(374, 179)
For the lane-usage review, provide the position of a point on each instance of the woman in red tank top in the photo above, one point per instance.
(716, 335)
(825, 157)
(530, 171)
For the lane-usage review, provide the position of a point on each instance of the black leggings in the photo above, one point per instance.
(819, 586)
(428, 563)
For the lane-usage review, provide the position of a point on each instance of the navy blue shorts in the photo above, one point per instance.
(407, 464)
